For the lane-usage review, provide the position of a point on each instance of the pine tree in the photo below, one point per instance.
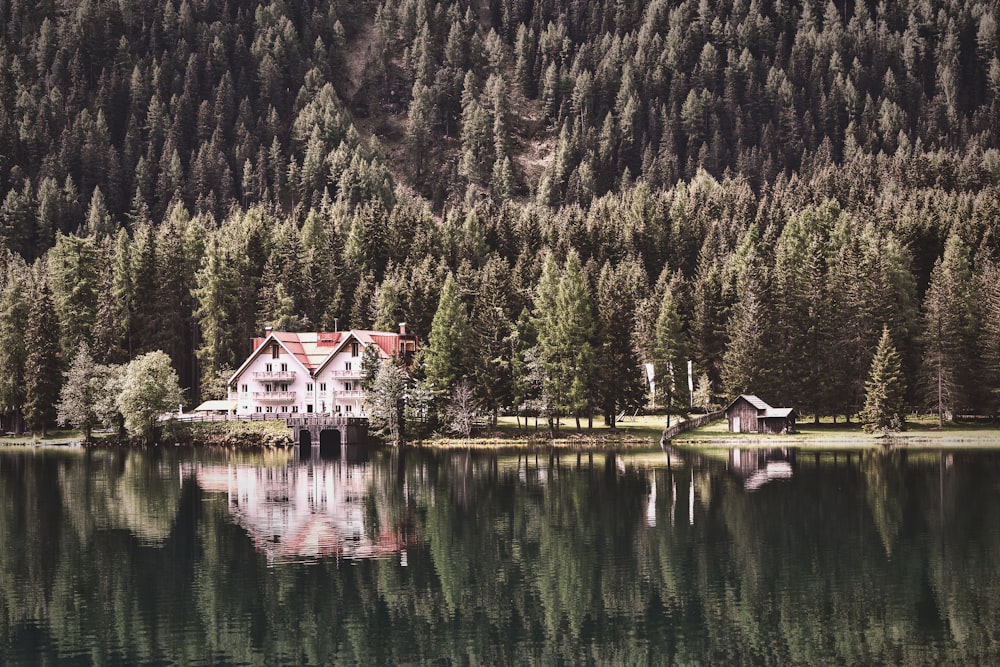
(618, 367)
(742, 367)
(15, 309)
(384, 403)
(566, 326)
(42, 378)
(944, 335)
(492, 337)
(72, 277)
(446, 360)
(77, 399)
(670, 353)
(885, 389)
(418, 129)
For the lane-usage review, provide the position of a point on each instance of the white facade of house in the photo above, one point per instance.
(310, 372)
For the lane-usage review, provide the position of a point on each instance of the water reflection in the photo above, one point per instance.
(200, 557)
(309, 510)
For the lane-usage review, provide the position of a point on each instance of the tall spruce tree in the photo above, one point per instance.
(621, 384)
(446, 360)
(670, 353)
(15, 308)
(945, 332)
(566, 327)
(77, 398)
(42, 377)
(885, 390)
(73, 279)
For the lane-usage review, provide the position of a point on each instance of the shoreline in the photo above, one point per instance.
(640, 433)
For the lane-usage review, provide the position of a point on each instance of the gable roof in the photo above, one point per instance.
(385, 341)
(752, 400)
(314, 349)
(289, 341)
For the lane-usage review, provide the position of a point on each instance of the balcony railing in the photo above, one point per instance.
(354, 393)
(274, 396)
(279, 376)
(346, 374)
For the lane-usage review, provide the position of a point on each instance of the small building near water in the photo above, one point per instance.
(216, 408)
(749, 414)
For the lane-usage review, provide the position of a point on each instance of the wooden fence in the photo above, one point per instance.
(689, 424)
(199, 417)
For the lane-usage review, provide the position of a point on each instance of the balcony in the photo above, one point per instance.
(274, 396)
(354, 373)
(274, 376)
(354, 393)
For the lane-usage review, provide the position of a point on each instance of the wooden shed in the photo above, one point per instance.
(749, 414)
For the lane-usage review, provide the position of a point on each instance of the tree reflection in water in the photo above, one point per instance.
(199, 556)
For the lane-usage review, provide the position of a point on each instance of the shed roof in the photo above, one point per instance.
(752, 400)
(782, 413)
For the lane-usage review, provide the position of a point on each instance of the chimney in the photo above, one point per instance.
(267, 331)
(402, 328)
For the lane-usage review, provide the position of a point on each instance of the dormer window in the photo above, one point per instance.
(354, 348)
(275, 350)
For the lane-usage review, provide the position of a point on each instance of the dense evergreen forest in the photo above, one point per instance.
(549, 194)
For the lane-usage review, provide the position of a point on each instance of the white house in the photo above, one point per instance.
(317, 372)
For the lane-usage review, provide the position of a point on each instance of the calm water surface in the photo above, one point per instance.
(216, 558)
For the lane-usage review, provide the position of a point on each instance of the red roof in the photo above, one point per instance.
(386, 341)
(312, 349)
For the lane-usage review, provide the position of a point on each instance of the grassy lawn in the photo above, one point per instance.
(53, 437)
(640, 431)
(921, 432)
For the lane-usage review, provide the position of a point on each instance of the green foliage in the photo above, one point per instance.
(670, 354)
(149, 389)
(447, 353)
(840, 148)
(566, 327)
(15, 309)
(885, 390)
(77, 396)
(42, 376)
(384, 403)
(945, 333)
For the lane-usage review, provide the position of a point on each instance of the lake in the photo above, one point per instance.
(202, 557)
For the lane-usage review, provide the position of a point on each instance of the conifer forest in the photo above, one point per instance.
(550, 194)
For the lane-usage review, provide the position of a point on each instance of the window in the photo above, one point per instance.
(258, 408)
(322, 386)
(284, 367)
(309, 408)
(275, 350)
(267, 387)
(268, 368)
(354, 348)
(348, 386)
(270, 409)
(284, 408)
(245, 389)
(347, 408)
(309, 387)
(347, 366)
(284, 386)
(295, 408)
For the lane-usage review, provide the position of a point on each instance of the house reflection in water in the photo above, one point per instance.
(308, 512)
(757, 467)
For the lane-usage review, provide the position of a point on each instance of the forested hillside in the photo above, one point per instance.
(567, 189)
